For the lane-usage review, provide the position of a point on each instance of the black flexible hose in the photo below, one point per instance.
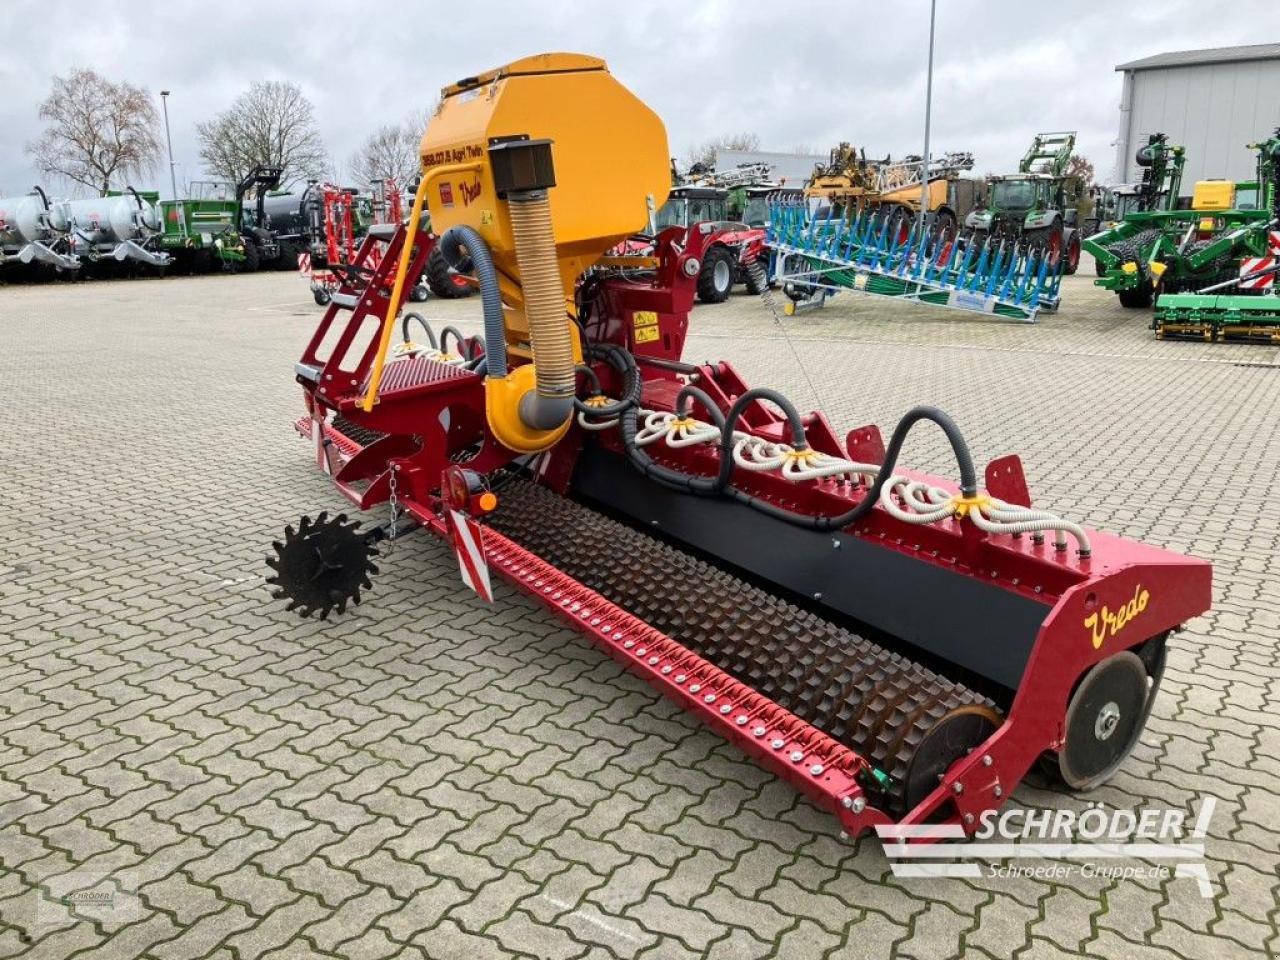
(457, 335)
(451, 244)
(627, 411)
(404, 329)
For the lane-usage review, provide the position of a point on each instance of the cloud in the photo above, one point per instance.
(795, 73)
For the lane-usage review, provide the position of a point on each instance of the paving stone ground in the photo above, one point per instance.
(188, 771)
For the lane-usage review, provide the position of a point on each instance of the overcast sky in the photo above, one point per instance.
(797, 74)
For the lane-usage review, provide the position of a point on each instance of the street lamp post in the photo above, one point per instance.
(173, 177)
(928, 109)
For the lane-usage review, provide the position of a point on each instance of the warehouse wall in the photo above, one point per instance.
(1211, 109)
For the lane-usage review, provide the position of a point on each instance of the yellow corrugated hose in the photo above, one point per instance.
(544, 299)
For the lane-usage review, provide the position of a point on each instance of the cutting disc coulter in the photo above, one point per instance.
(322, 565)
(907, 721)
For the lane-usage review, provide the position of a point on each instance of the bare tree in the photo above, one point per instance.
(96, 131)
(1079, 166)
(270, 124)
(391, 151)
(705, 153)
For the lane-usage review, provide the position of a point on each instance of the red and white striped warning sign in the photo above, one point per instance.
(324, 448)
(304, 263)
(468, 544)
(1252, 265)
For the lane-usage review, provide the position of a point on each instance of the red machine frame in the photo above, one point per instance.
(417, 451)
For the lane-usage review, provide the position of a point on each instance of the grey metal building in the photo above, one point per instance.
(1213, 102)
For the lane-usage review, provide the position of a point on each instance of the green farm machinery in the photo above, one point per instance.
(1196, 263)
(209, 230)
(1146, 218)
(1244, 302)
(1035, 208)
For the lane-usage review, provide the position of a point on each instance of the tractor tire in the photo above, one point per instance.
(445, 282)
(754, 288)
(944, 223)
(899, 218)
(252, 260)
(288, 259)
(1139, 298)
(1131, 249)
(1219, 271)
(1072, 250)
(1049, 240)
(715, 279)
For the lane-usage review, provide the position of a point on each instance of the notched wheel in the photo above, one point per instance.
(322, 565)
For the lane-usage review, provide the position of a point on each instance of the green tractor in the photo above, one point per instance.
(1244, 300)
(1037, 206)
(209, 230)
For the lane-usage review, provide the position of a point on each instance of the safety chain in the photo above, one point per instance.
(395, 509)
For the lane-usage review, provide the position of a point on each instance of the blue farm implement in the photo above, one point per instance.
(889, 256)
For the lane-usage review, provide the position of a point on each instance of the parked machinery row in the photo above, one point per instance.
(1210, 268)
(66, 236)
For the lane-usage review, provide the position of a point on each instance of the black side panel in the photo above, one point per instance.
(980, 627)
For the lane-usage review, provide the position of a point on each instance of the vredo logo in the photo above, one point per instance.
(1106, 622)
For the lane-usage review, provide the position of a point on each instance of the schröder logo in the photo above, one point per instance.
(1157, 842)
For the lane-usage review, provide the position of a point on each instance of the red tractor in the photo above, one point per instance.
(730, 245)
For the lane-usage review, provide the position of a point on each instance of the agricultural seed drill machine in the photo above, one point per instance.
(1158, 189)
(1122, 249)
(35, 231)
(901, 647)
(1243, 304)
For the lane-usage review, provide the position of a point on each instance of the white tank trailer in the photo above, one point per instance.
(120, 227)
(32, 229)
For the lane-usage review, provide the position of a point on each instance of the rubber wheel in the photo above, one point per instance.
(715, 279)
(252, 261)
(943, 234)
(1073, 254)
(944, 223)
(1104, 720)
(1098, 268)
(418, 293)
(796, 291)
(445, 282)
(899, 219)
(1048, 239)
(321, 297)
(1220, 270)
(1139, 298)
(754, 288)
